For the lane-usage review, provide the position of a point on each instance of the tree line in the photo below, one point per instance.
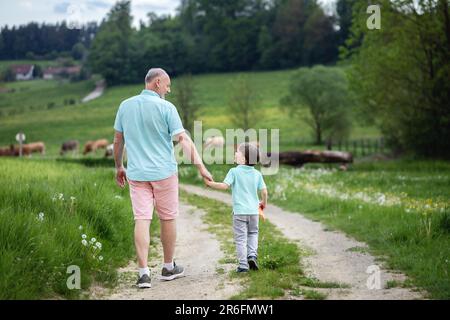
(216, 36)
(45, 41)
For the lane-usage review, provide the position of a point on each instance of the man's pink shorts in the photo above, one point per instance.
(162, 195)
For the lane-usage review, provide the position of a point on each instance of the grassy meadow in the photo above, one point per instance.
(46, 208)
(95, 119)
(401, 209)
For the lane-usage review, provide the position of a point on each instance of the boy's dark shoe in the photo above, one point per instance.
(253, 263)
(144, 282)
(241, 270)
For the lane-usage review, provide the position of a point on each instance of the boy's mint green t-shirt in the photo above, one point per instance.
(148, 124)
(245, 182)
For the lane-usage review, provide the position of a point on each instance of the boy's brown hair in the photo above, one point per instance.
(250, 152)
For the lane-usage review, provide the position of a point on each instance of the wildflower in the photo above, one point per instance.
(40, 216)
(100, 258)
(98, 245)
(84, 236)
(80, 228)
(61, 196)
(73, 199)
(84, 242)
(93, 240)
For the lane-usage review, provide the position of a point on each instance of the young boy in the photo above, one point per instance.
(245, 181)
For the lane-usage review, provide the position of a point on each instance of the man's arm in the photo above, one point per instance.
(190, 151)
(118, 158)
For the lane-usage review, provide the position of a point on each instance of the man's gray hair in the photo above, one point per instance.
(154, 73)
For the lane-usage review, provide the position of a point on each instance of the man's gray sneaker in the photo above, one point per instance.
(144, 282)
(176, 272)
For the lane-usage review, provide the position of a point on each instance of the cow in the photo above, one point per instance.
(109, 152)
(7, 151)
(71, 145)
(29, 148)
(93, 146)
(214, 142)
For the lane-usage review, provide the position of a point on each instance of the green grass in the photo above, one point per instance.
(279, 259)
(95, 119)
(41, 95)
(35, 254)
(401, 209)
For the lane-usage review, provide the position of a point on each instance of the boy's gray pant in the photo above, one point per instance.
(245, 229)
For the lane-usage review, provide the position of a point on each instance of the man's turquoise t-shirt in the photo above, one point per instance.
(245, 181)
(148, 124)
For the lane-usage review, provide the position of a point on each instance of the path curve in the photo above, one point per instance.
(331, 260)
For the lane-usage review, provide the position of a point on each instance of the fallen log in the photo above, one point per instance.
(299, 158)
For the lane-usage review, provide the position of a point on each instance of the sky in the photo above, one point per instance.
(17, 12)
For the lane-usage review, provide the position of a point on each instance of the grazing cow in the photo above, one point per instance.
(28, 149)
(7, 151)
(109, 152)
(71, 145)
(93, 146)
(214, 142)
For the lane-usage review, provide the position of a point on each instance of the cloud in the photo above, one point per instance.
(26, 4)
(98, 4)
(61, 8)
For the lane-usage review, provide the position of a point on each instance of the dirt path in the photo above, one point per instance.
(97, 93)
(333, 258)
(198, 251)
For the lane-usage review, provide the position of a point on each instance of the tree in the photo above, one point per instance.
(78, 51)
(243, 105)
(111, 50)
(401, 75)
(323, 92)
(185, 101)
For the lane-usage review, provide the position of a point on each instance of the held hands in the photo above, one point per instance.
(205, 174)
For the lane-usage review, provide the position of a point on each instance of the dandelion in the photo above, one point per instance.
(40, 216)
(93, 240)
(100, 258)
(61, 197)
(98, 245)
(84, 236)
(80, 228)
(84, 242)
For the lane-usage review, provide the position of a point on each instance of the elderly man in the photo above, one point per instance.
(147, 124)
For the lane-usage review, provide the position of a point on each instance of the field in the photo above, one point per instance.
(43, 219)
(400, 208)
(95, 119)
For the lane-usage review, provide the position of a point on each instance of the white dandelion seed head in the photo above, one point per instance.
(93, 240)
(80, 228)
(100, 258)
(84, 236)
(84, 242)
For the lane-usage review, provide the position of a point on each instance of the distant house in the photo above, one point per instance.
(23, 71)
(62, 72)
